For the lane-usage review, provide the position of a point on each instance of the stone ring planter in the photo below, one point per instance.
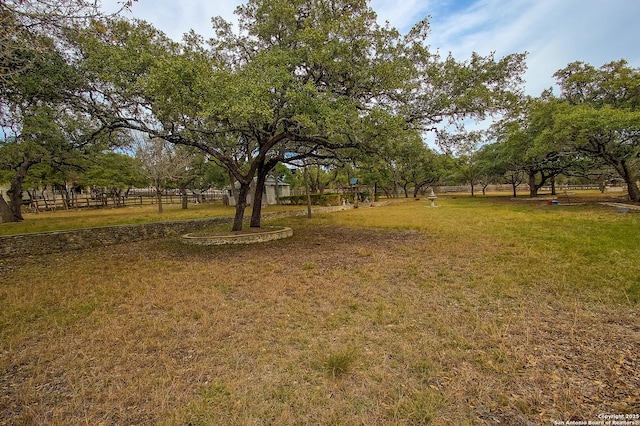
(268, 234)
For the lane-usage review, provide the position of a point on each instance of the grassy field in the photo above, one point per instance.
(481, 311)
(73, 219)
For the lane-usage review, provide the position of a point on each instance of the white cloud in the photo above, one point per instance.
(554, 33)
(175, 18)
(402, 15)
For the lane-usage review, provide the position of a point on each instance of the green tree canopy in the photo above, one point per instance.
(113, 172)
(607, 133)
(41, 119)
(28, 26)
(298, 79)
(602, 117)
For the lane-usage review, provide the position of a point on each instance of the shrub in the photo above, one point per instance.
(316, 199)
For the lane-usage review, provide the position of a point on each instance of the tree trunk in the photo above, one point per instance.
(602, 186)
(5, 212)
(185, 198)
(553, 185)
(472, 190)
(74, 199)
(396, 194)
(15, 199)
(515, 190)
(631, 179)
(257, 197)
(533, 189)
(241, 205)
(66, 196)
(634, 191)
(15, 190)
(159, 196)
(308, 191)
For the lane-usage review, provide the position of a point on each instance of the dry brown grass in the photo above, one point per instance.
(467, 314)
(87, 218)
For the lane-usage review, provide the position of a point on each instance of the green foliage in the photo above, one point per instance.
(600, 118)
(49, 132)
(615, 84)
(114, 170)
(529, 145)
(284, 174)
(316, 199)
(299, 80)
(31, 27)
(403, 161)
(208, 174)
(593, 124)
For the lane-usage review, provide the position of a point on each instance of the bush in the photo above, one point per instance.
(316, 199)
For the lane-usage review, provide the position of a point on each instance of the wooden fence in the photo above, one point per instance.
(44, 204)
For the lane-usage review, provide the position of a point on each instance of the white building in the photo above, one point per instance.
(268, 195)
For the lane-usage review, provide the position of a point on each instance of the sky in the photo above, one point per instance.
(553, 32)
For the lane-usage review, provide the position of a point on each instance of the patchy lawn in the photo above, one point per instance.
(477, 312)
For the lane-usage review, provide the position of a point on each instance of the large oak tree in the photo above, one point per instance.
(601, 116)
(298, 79)
(40, 118)
(41, 124)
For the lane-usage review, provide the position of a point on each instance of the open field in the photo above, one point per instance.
(481, 311)
(61, 220)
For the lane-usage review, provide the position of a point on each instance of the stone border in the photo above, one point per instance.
(622, 206)
(78, 239)
(271, 233)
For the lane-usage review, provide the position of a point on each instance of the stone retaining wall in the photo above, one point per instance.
(266, 233)
(51, 242)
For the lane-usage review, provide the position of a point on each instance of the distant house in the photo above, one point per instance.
(268, 195)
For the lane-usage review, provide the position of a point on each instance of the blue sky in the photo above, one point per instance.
(554, 32)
